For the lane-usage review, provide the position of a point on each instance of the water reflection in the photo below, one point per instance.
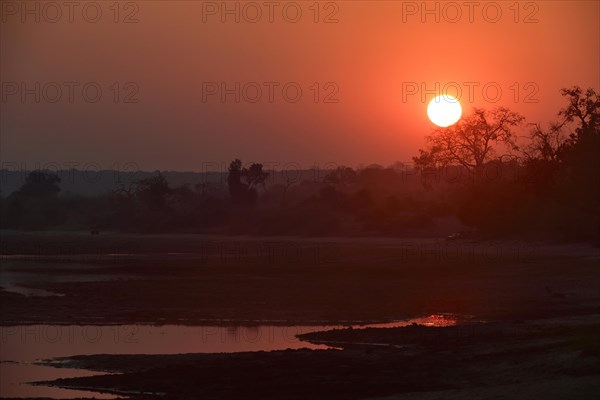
(13, 378)
(22, 345)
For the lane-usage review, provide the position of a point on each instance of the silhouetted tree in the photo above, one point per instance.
(40, 184)
(237, 189)
(153, 192)
(341, 176)
(35, 204)
(255, 175)
(561, 195)
(579, 182)
(583, 108)
(245, 193)
(472, 141)
(546, 144)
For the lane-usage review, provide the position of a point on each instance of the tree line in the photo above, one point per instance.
(552, 189)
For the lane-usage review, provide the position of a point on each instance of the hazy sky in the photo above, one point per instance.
(365, 58)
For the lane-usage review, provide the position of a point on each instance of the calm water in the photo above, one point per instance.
(20, 346)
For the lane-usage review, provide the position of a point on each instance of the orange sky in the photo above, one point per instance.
(373, 52)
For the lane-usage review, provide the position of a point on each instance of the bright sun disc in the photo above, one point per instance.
(444, 110)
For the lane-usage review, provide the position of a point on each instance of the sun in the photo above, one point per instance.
(444, 110)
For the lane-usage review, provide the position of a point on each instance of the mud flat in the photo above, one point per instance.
(128, 279)
(533, 332)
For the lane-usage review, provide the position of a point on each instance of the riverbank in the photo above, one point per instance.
(546, 358)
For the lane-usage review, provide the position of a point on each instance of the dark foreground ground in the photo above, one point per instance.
(541, 304)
